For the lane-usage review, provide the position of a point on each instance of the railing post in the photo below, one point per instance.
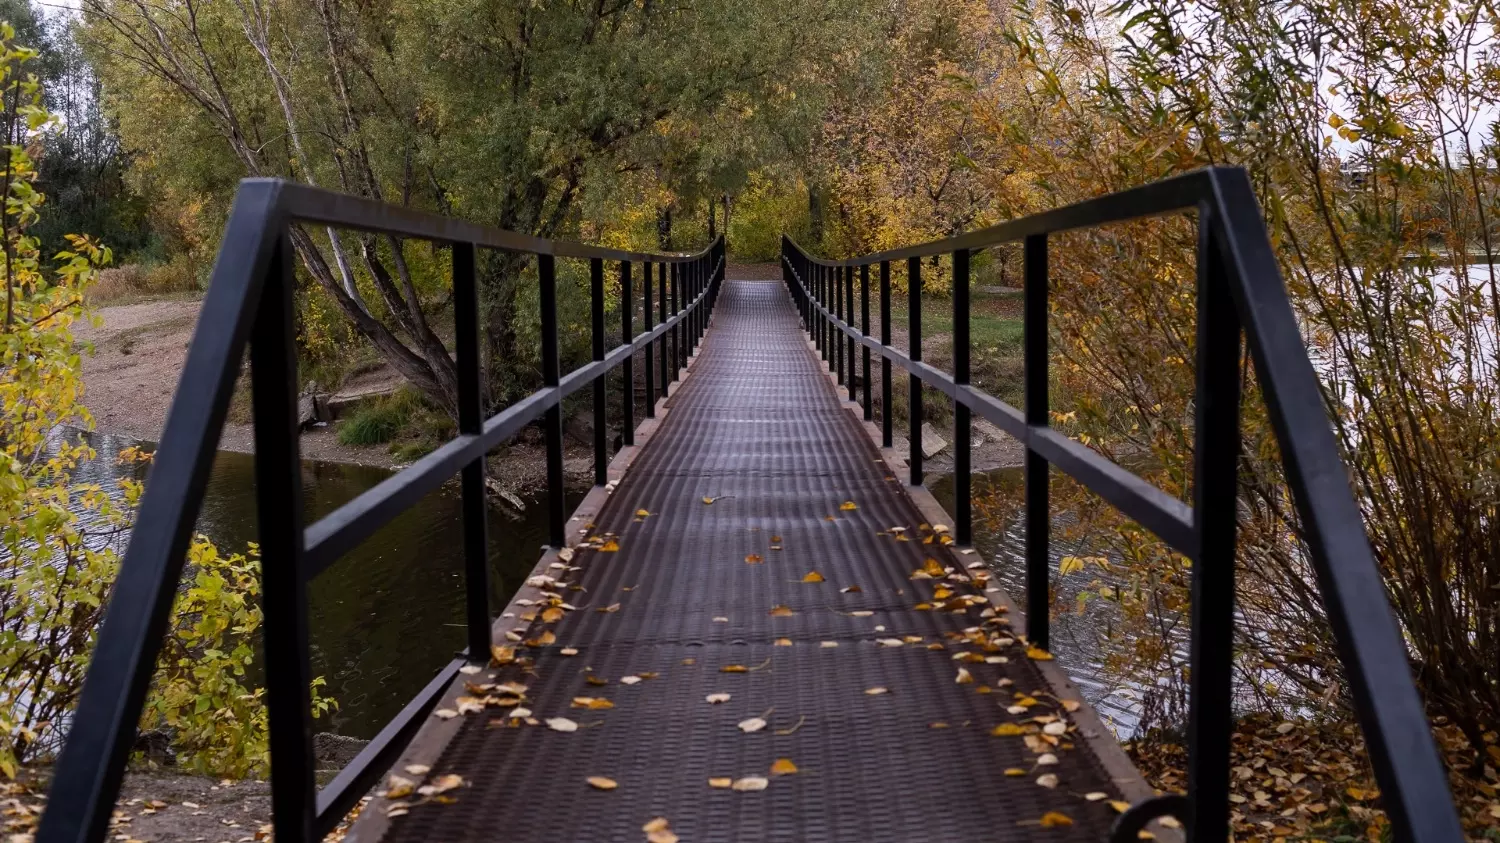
(849, 318)
(677, 332)
(914, 351)
(1038, 508)
(471, 422)
(601, 417)
(661, 306)
(650, 360)
(962, 434)
(278, 498)
(838, 335)
(887, 431)
(1216, 454)
(552, 421)
(627, 335)
(864, 330)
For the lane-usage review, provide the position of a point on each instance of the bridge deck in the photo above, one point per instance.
(758, 428)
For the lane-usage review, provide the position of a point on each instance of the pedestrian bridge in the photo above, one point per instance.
(758, 625)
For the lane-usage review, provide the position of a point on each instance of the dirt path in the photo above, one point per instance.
(140, 349)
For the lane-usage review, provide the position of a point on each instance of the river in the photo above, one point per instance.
(385, 618)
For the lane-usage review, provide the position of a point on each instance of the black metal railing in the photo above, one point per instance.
(249, 300)
(1239, 287)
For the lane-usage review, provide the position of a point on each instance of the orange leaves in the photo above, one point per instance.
(783, 767)
(848, 506)
(812, 576)
(781, 612)
(1007, 729)
(1053, 819)
(1038, 654)
(754, 559)
(602, 783)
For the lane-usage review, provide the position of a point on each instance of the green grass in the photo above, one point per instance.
(381, 420)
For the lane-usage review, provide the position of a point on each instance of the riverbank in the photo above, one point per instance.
(139, 351)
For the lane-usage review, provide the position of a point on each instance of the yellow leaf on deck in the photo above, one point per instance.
(1038, 654)
(1007, 729)
(610, 546)
(1119, 805)
(610, 609)
(776, 539)
(708, 501)
(720, 782)
(552, 615)
(1015, 771)
(781, 612)
(932, 567)
(502, 655)
(603, 783)
(813, 576)
(641, 513)
(734, 668)
(848, 506)
(658, 824)
(964, 677)
(783, 642)
(1053, 819)
(783, 767)
(754, 559)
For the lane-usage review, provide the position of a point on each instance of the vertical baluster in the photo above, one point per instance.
(650, 360)
(552, 421)
(627, 336)
(677, 333)
(471, 422)
(887, 422)
(864, 330)
(601, 418)
(278, 498)
(1216, 464)
(962, 435)
(661, 307)
(1038, 509)
(838, 335)
(914, 383)
(849, 318)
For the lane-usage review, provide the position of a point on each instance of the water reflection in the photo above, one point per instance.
(1078, 640)
(389, 614)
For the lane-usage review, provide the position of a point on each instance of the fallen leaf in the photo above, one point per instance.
(734, 668)
(853, 589)
(552, 615)
(561, 724)
(783, 767)
(603, 783)
(445, 714)
(783, 642)
(717, 698)
(781, 612)
(876, 691)
(1006, 730)
(1120, 805)
(754, 559)
(776, 540)
(754, 724)
(751, 783)
(1047, 780)
(641, 513)
(501, 655)
(862, 613)
(1071, 705)
(470, 669)
(568, 651)
(1038, 654)
(629, 680)
(1095, 796)
(848, 506)
(828, 644)
(658, 824)
(721, 620)
(1056, 728)
(1046, 759)
(1053, 819)
(720, 782)
(813, 576)
(610, 546)
(610, 609)
(964, 677)
(1015, 771)
(398, 786)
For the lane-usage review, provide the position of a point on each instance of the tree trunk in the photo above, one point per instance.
(712, 229)
(664, 228)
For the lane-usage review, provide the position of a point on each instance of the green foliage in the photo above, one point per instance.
(60, 540)
(378, 421)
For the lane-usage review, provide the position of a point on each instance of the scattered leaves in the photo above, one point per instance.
(1053, 819)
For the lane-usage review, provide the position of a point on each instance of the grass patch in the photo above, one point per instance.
(403, 420)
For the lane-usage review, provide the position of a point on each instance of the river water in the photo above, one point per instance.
(385, 618)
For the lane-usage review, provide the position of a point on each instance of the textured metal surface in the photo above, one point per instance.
(758, 426)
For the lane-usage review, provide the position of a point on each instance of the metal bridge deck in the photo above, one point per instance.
(758, 427)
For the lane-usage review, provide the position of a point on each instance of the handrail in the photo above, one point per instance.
(1239, 287)
(249, 302)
